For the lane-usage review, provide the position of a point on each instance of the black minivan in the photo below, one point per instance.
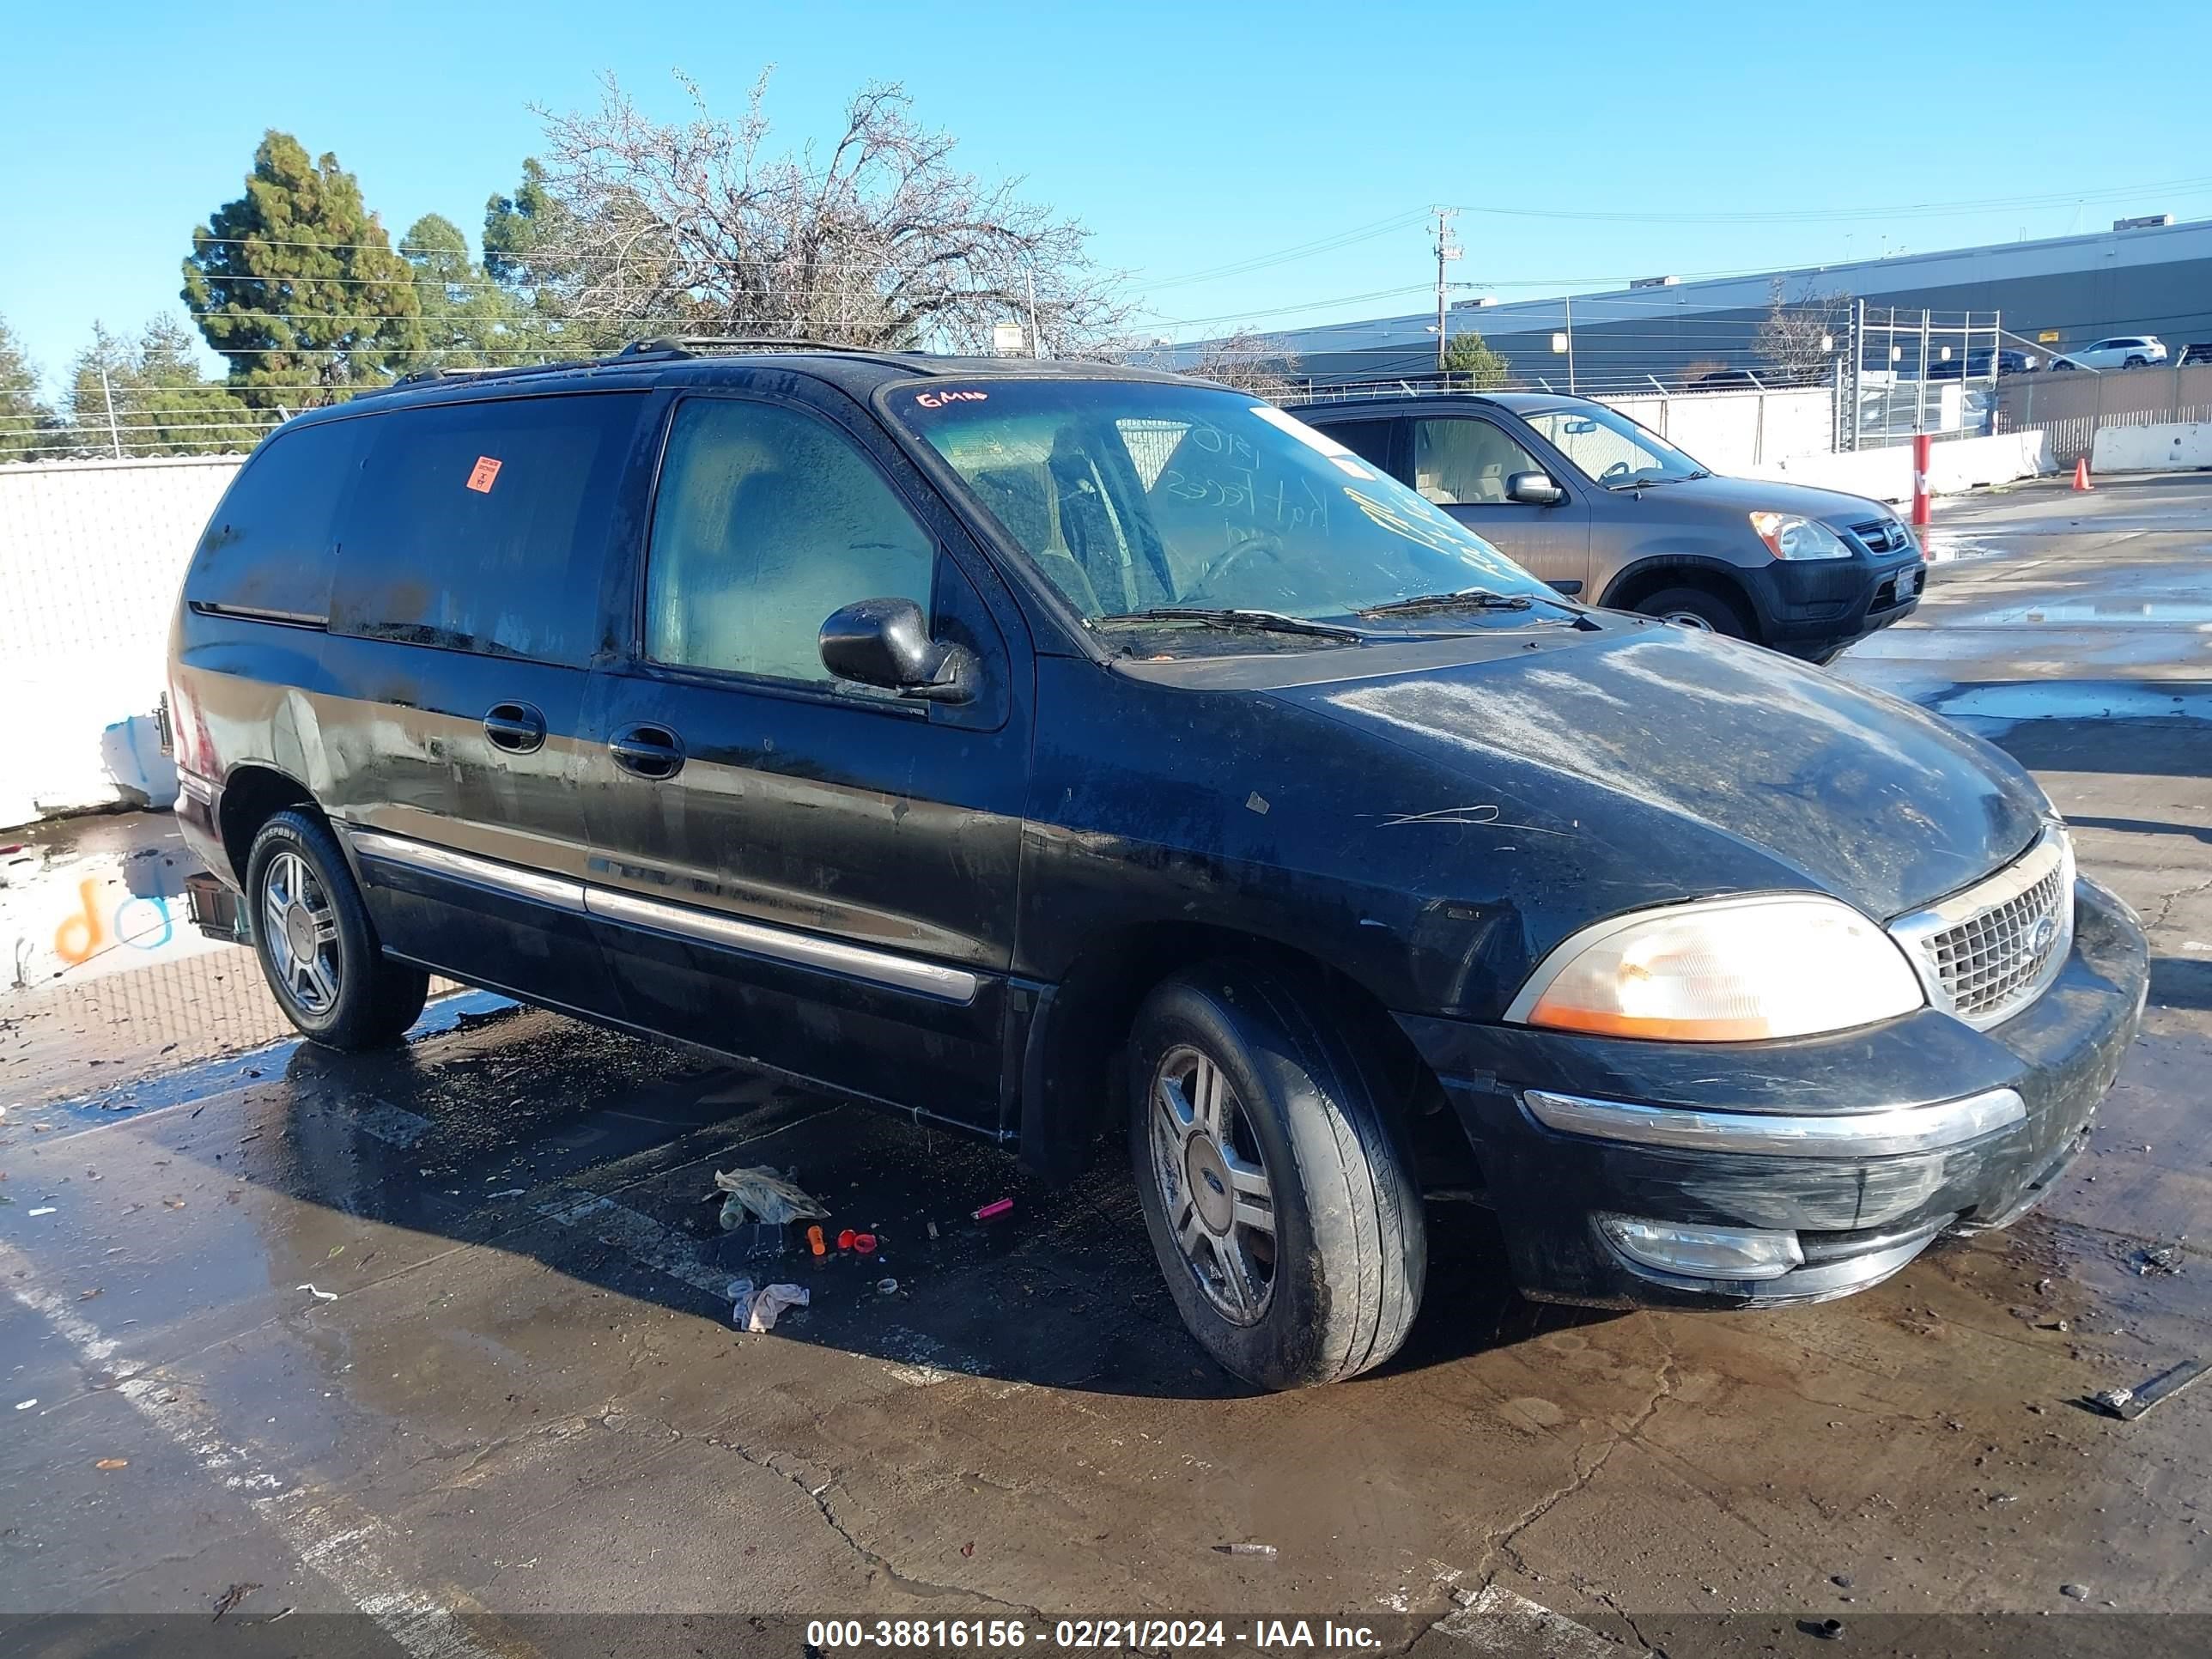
(1052, 749)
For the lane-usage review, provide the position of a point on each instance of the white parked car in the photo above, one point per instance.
(2121, 351)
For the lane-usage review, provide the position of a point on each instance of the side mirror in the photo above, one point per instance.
(886, 643)
(1533, 490)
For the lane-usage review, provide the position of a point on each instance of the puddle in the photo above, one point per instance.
(2104, 613)
(1952, 547)
(96, 898)
(2078, 700)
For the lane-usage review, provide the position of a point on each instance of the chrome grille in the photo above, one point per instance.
(1882, 535)
(1985, 953)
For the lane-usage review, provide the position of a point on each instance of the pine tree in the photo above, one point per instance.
(468, 320)
(28, 429)
(154, 400)
(1470, 362)
(296, 283)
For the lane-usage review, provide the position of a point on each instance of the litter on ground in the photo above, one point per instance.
(757, 1310)
(765, 1194)
(2128, 1404)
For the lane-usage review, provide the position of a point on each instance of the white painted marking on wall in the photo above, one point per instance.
(342, 1549)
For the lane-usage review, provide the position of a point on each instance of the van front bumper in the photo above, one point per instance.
(1638, 1174)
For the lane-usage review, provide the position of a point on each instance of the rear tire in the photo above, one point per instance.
(1696, 608)
(316, 944)
(1281, 1205)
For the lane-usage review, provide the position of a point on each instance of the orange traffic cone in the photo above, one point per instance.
(2081, 474)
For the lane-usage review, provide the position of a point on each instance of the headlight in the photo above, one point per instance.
(1792, 538)
(1722, 970)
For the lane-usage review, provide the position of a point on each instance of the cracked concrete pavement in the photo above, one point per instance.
(525, 1402)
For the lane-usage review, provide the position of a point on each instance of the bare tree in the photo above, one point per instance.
(1251, 362)
(696, 225)
(1797, 339)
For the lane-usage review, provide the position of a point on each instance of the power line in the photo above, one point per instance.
(1284, 256)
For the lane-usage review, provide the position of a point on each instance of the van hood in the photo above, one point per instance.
(1748, 496)
(1665, 763)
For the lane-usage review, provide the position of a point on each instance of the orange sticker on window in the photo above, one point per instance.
(484, 475)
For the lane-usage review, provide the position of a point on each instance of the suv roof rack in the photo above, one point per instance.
(488, 371)
(701, 345)
(665, 345)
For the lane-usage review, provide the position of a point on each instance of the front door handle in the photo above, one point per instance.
(647, 751)
(516, 727)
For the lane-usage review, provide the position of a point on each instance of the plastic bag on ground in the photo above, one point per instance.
(765, 1194)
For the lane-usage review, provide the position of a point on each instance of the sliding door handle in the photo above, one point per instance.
(647, 751)
(516, 727)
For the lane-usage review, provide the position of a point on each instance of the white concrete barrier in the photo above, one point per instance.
(1886, 474)
(2165, 446)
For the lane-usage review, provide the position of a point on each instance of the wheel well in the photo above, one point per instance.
(1641, 583)
(251, 797)
(1075, 1076)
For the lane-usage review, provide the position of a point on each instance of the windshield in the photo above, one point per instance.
(1135, 497)
(1612, 448)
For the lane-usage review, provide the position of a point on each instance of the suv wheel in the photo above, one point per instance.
(1693, 607)
(316, 945)
(1282, 1208)
(2135, 361)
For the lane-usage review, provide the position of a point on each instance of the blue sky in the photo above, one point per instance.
(1187, 137)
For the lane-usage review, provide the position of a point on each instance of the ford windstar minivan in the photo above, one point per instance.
(1071, 753)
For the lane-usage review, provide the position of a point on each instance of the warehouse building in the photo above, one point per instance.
(2142, 277)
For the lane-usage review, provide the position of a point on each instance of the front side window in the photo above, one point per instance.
(1612, 449)
(1136, 496)
(1461, 461)
(768, 520)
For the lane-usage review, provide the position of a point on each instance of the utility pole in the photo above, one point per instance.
(107, 392)
(1447, 251)
(1037, 335)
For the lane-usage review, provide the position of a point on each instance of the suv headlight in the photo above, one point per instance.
(1722, 970)
(1789, 536)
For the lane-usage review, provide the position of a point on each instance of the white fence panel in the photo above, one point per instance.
(92, 554)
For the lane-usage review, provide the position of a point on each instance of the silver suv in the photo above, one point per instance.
(1583, 497)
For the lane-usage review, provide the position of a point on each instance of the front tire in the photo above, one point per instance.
(1695, 608)
(1281, 1206)
(316, 944)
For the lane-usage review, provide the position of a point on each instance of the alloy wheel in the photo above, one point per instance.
(302, 931)
(1687, 619)
(1213, 1184)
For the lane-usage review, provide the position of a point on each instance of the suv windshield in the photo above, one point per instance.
(1137, 497)
(1612, 448)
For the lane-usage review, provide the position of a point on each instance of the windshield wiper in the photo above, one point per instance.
(1640, 484)
(1259, 622)
(1465, 598)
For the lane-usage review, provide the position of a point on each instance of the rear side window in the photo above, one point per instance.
(484, 526)
(1369, 439)
(266, 551)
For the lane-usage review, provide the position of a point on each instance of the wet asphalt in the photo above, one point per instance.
(438, 1340)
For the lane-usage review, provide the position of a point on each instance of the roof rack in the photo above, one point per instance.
(701, 345)
(489, 372)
